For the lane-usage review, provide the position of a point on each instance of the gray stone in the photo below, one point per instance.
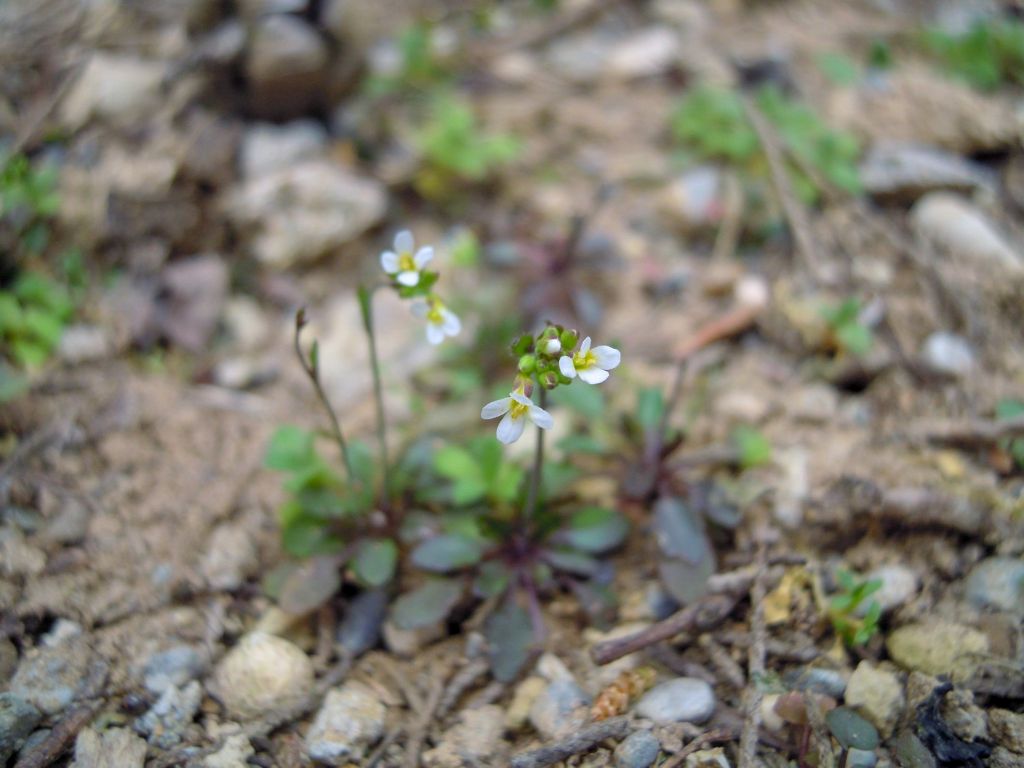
(50, 678)
(685, 699)
(906, 171)
(17, 720)
(360, 627)
(285, 66)
(645, 53)
(693, 201)
(899, 585)
(580, 58)
(1007, 729)
(350, 720)
(84, 344)
(559, 709)
(910, 752)
(861, 758)
(174, 666)
(957, 227)
(638, 750)
(937, 648)
(192, 296)
(948, 353)
(830, 682)
(876, 693)
(120, 88)
(997, 582)
(230, 557)
(1003, 758)
(850, 729)
(304, 212)
(70, 525)
(267, 147)
(262, 675)
(474, 740)
(234, 754)
(115, 748)
(165, 723)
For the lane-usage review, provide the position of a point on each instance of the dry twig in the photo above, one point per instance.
(61, 737)
(581, 741)
(755, 663)
(701, 616)
(414, 744)
(461, 682)
(716, 736)
(977, 433)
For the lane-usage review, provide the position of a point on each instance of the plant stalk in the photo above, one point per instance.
(312, 368)
(378, 396)
(538, 465)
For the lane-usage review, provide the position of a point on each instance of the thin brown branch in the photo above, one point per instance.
(976, 433)
(755, 662)
(414, 744)
(582, 740)
(60, 739)
(716, 736)
(701, 616)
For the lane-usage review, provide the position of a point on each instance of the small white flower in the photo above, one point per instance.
(441, 321)
(553, 346)
(402, 263)
(592, 365)
(516, 409)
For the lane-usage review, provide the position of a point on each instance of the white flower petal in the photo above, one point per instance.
(509, 429)
(450, 323)
(540, 417)
(419, 308)
(435, 334)
(496, 408)
(404, 242)
(409, 278)
(389, 262)
(520, 398)
(585, 346)
(593, 375)
(607, 357)
(566, 367)
(423, 256)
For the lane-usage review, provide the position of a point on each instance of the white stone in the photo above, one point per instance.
(267, 147)
(646, 53)
(685, 699)
(957, 227)
(350, 720)
(263, 674)
(949, 353)
(876, 693)
(115, 87)
(233, 754)
(899, 585)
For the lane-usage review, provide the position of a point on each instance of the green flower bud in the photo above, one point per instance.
(549, 380)
(569, 340)
(527, 364)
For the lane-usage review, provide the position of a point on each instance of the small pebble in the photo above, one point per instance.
(51, 677)
(899, 586)
(114, 748)
(350, 719)
(175, 666)
(638, 750)
(937, 647)
(165, 723)
(850, 729)
(861, 758)
(948, 353)
(997, 582)
(685, 699)
(559, 709)
(1007, 729)
(910, 752)
(261, 675)
(876, 693)
(17, 720)
(234, 754)
(707, 758)
(829, 682)
(474, 740)
(525, 694)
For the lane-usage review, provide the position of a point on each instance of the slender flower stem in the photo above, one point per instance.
(538, 465)
(312, 368)
(366, 307)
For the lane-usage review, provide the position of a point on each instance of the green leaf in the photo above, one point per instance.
(840, 69)
(375, 562)
(587, 401)
(290, 449)
(596, 529)
(572, 562)
(650, 408)
(855, 338)
(492, 579)
(679, 531)
(448, 552)
(461, 466)
(29, 354)
(11, 316)
(310, 585)
(44, 327)
(753, 447)
(509, 636)
(427, 604)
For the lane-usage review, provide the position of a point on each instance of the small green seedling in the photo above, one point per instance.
(844, 609)
(846, 333)
(752, 447)
(456, 152)
(1011, 409)
(419, 68)
(988, 55)
(33, 315)
(28, 201)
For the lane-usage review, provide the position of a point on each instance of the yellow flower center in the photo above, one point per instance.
(518, 410)
(582, 362)
(406, 263)
(434, 315)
